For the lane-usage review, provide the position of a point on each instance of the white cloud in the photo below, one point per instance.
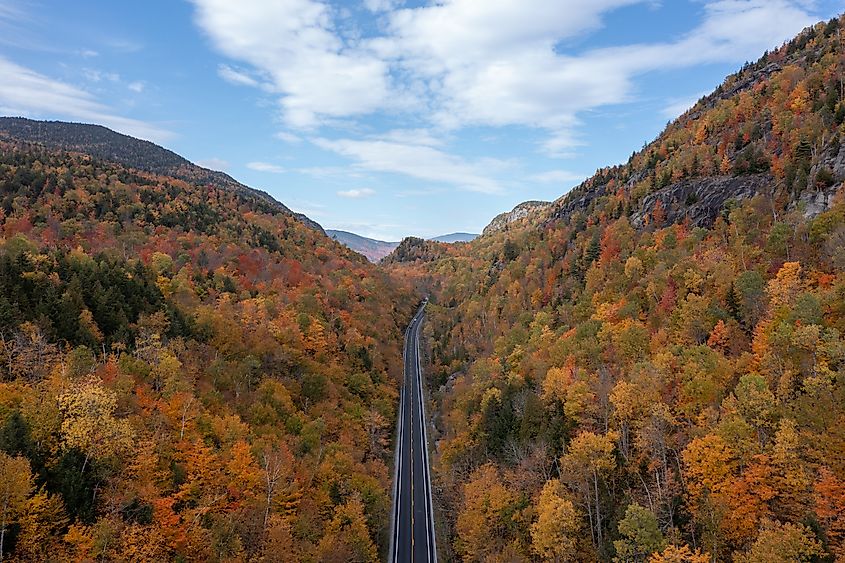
(137, 86)
(732, 31)
(317, 75)
(454, 64)
(8, 10)
(26, 92)
(94, 75)
(265, 167)
(357, 193)
(418, 161)
(234, 76)
(214, 163)
(411, 136)
(381, 5)
(556, 177)
(124, 45)
(496, 63)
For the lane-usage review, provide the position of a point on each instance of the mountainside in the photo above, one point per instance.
(525, 209)
(105, 144)
(373, 249)
(652, 367)
(772, 126)
(187, 371)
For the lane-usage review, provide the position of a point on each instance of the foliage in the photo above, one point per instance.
(680, 382)
(186, 370)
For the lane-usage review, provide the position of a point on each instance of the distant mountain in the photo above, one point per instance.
(373, 249)
(105, 144)
(455, 237)
(376, 250)
(416, 250)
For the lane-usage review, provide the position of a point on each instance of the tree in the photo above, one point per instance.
(276, 463)
(756, 403)
(782, 543)
(588, 458)
(347, 537)
(554, 535)
(641, 535)
(89, 423)
(486, 514)
(830, 508)
(785, 286)
(791, 477)
(41, 521)
(15, 487)
(708, 472)
(682, 554)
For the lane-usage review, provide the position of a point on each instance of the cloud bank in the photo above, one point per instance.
(457, 64)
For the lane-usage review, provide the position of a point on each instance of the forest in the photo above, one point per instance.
(650, 369)
(643, 372)
(186, 372)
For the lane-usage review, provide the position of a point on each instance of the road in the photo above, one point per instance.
(412, 522)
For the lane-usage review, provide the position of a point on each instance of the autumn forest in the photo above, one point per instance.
(649, 369)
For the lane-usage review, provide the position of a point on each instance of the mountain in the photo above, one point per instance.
(187, 371)
(105, 144)
(373, 249)
(525, 209)
(376, 250)
(652, 366)
(455, 237)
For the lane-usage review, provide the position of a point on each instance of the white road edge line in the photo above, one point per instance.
(397, 489)
(426, 468)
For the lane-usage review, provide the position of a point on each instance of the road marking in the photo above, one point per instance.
(426, 466)
(412, 348)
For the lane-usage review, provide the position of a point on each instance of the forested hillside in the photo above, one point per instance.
(187, 372)
(651, 369)
(104, 144)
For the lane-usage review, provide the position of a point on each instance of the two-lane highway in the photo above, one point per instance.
(412, 521)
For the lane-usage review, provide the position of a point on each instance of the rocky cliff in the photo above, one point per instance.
(521, 211)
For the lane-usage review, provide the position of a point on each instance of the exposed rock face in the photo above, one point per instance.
(521, 211)
(837, 163)
(578, 199)
(700, 200)
(813, 203)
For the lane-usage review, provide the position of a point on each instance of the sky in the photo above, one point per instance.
(387, 118)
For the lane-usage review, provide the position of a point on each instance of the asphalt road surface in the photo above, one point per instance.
(412, 521)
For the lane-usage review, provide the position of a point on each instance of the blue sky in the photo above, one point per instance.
(384, 117)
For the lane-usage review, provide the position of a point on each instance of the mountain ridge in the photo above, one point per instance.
(107, 144)
(373, 249)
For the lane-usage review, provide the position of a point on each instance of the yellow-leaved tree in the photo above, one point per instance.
(15, 487)
(587, 460)
(554, 534)
(89, 423)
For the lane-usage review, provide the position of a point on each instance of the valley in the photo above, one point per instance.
(650, 368)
